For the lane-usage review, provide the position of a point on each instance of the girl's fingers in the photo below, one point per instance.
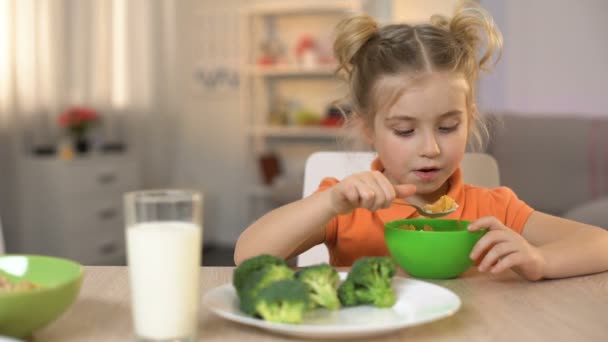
(379, 195)
(507, 262)
(487, 241)
(405, 190)
(367, 196)
(496, 253)
(387, 188)
(351, 194)
(489, 222)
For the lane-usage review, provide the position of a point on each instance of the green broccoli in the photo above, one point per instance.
(251, 265)
(346, 294)
(257, 281)
(322, 282)
(369, 282)
(283, 301)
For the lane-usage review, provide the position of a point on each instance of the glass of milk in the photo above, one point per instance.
(164, 234)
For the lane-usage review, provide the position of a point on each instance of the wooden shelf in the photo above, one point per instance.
(297, 131)
(292, 71)
(308, 7)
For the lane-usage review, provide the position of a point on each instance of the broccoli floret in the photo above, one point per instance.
(257, 281)
(283, 301)
(369, 282)
(247, 267)
(346, 294)
(322, 282)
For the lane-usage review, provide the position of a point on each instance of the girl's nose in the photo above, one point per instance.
(430, 147)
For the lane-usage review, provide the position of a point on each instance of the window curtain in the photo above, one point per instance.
(116, 56)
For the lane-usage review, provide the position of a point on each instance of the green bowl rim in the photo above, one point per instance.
(386, 227)
(42, 289)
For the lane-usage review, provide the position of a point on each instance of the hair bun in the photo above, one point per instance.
(474, 26)
(351, 35)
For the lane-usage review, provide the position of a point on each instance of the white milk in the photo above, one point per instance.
(164, 268)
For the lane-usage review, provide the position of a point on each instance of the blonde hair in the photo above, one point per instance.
(365, 52)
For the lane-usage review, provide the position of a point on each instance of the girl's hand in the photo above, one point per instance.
(371, 190)
(502, 248)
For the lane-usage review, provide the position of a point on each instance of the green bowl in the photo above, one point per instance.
(439, 254)
(23, 312)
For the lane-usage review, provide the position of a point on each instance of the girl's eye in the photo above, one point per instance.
(448, 129)
(403, 133)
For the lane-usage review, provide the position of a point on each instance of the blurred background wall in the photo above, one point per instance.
(185, 123)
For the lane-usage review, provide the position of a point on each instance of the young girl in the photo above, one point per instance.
(413, 89)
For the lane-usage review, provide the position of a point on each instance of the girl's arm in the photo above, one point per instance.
(296, 227)
(288, 230)
(549, 247)
(569, 248)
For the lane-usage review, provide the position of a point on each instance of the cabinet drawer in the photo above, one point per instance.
(94, 233)
(91, 215)
(82, 179)
(100, 249)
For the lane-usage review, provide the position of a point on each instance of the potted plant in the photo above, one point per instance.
(77, 121)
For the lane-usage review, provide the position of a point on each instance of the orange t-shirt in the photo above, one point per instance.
(361, 232)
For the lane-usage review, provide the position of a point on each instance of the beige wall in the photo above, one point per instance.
(416, 11)
(554, 58)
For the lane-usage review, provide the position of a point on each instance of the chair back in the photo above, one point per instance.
(480, 169)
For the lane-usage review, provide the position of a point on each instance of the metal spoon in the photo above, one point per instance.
(425, 213)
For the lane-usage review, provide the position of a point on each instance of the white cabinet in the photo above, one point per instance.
(73, 209)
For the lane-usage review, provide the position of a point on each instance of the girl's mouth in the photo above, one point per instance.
(426, 174)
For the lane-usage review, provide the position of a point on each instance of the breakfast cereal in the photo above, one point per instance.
(444, 203)
(6, 285)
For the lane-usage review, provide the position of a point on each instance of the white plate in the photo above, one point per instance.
(418, 302)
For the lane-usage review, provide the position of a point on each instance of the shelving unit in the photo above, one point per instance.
(312, 85)
(296, 132)
(292, 71)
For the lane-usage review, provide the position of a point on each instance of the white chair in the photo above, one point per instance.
(329, 164)
(478, 169)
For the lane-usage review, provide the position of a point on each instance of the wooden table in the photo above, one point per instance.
(495, 308)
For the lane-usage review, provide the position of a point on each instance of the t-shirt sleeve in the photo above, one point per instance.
(331, 228)
(513, 211)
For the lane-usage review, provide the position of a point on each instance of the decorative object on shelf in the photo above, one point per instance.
(273, 52)
(44, 150)
(77, 121)
(279, 113)
(66, 149)
(306, 117)
(292, 113)
(113, 147)
(334, 117)
(271, 167)
(306, 52)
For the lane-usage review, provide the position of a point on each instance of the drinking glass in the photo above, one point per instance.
(164, 234)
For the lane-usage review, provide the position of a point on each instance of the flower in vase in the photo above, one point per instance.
(78, 120)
